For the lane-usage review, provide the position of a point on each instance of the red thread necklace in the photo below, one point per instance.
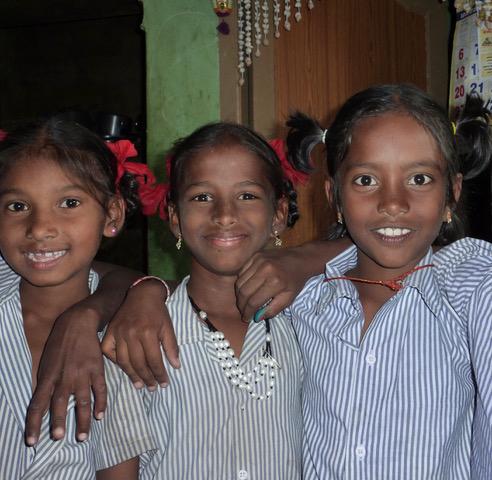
(395, 284)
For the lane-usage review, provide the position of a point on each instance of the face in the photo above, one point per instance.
(226, 210)
(50, 226)
(394, 185)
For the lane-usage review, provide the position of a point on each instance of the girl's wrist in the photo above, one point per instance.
(151, 282)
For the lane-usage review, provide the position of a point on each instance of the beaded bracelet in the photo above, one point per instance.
(152, 277)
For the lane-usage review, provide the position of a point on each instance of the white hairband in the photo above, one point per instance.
(323, 135)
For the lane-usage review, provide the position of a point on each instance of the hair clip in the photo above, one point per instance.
(453, 128)
(323, 135)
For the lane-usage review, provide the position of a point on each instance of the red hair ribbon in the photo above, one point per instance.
(290, 172)
(3, 135)
(152, 195)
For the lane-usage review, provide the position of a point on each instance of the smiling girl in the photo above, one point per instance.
(233, 409)
(58, 198)
(395, 339)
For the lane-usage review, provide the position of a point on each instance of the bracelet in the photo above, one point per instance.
(152, 277)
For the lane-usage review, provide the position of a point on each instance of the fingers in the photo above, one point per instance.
(58, 413)
(123, 361)
(35, 412)
(108, 345)
(100, 392)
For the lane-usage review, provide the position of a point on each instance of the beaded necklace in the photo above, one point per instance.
(263, 374)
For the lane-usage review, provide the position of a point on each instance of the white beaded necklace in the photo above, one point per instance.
(263, 373)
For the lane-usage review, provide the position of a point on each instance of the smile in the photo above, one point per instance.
(393, 232)
(226, 241)
(45, 257)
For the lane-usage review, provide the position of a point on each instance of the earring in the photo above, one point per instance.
(449, 217)
(340, 218)
(114, 229)
(179, 242)
(278, 240)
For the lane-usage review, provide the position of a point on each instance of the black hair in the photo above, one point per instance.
(78, 151)
(467, 152)
(223, 133)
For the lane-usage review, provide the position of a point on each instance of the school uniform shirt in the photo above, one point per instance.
(208, 429)
(121, 435)
(400, 404)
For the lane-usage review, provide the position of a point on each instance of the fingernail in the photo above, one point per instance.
(138, 385)
(99, 415)
(259, 314)
(31, 441)
(151, 388)
(82, 437)
(164, 384)
(58, 433)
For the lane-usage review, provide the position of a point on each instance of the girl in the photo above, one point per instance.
(395, 339)
(233, 409)
(57, 199)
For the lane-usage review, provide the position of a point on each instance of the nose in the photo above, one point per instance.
(41, 225)
(393, 201)
(225, 213)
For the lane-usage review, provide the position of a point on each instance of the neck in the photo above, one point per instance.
(212, 291)
(50, 302)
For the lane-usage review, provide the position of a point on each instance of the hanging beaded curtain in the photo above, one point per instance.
(254, 19)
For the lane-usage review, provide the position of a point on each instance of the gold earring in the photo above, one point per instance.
(114, 228)
(179, 242)
(340, 218)
(449, 217)
(278, 240)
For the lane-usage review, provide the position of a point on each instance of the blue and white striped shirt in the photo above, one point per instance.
(207, 429)
(121, 435)
(413, 399)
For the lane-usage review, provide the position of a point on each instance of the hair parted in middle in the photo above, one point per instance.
(231, 134)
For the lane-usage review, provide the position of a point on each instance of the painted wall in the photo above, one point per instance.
(182, 93)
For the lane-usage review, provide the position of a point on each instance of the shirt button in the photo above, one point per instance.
(371, 358)
(360, 451)
(242, 475)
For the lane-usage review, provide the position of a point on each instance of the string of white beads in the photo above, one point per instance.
(276, 17)
(248, 44)
(263, 373)
(287, 15)
(298, 6)
(266, 21)
(310, 4)
(240, 41)
(258, 32)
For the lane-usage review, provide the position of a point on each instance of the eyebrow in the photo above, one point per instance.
(246, 183)
(420, 163)
(17, 191)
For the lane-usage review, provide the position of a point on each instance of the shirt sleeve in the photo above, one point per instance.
(480, 338)
(124, 432)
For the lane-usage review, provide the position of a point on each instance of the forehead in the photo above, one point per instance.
(225, 164)
(393, 135)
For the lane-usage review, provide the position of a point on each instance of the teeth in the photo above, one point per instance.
(45, 256)
(393, 232)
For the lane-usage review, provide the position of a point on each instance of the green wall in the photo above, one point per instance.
(182, 93)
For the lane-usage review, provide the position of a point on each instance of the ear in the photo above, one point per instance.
(457, 187)
(281, 215)
(115, 216)
(172, 210)
(330, 193)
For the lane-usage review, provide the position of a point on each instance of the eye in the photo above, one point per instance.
(420, 179)
(365, 181)
(17, 207)
(70, 203)
(202, 197)
(248, 196)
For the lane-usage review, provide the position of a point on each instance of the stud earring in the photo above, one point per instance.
(449, 217)
(114, 229)
(179, 242)
(278, 240)
(340, 218)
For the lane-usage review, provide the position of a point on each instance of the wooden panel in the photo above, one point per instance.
(336, 50)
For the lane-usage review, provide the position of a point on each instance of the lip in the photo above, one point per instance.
(226, 240)
(45, 259)
(393, 234)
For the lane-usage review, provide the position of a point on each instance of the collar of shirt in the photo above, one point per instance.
(189, 329)
(423, 281)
